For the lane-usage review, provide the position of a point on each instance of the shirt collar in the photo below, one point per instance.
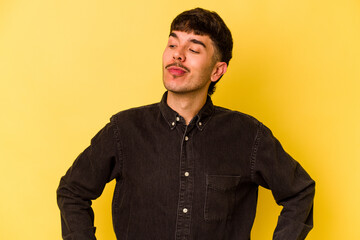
(173, 118)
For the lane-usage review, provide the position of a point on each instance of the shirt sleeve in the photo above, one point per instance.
(291, 186)
(84, 182)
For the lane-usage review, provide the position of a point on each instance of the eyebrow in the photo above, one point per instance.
(191, 40)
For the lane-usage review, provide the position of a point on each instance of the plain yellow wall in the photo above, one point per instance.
(67, 66)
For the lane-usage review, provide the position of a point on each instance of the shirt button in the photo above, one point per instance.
(173, 123)
(177, 119)
(200, 123)
(185, 210)
(186, 138)
(186, 174)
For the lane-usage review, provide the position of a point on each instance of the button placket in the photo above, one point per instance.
(186, 186)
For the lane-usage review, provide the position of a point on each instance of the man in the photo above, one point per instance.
(184, 168)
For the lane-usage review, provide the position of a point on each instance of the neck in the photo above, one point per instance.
(187, 105)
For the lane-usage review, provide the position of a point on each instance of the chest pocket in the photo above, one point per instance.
(220, 197)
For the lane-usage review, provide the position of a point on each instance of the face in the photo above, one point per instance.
(189, 63)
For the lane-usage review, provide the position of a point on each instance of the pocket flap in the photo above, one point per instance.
(222, 182)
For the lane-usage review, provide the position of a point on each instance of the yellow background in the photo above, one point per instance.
(67, 66)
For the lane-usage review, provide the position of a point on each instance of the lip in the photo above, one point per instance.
(176, 71)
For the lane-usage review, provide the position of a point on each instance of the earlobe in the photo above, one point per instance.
(219, 70)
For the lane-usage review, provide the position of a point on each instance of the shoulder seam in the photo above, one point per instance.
(119, 147)
(222, 109)
(255, 150)
(154, 105)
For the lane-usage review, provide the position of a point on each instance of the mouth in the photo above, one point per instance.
(176, 69)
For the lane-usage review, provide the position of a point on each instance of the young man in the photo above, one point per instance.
(184, 168)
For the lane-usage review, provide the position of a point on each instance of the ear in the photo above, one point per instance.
(219, 70)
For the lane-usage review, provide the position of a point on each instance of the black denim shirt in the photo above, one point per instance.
(178, 181)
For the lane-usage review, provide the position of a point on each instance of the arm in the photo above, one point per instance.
(84, 182)
(291, 186)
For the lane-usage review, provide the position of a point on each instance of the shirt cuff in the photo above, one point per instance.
(288, 229)
(86, 234)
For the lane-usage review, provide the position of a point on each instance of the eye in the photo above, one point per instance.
(172, 46)
(193, 51)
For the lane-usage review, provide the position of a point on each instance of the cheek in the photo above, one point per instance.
(202, 65)
(165, 56)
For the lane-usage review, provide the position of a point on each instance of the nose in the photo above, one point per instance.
(179, 55)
